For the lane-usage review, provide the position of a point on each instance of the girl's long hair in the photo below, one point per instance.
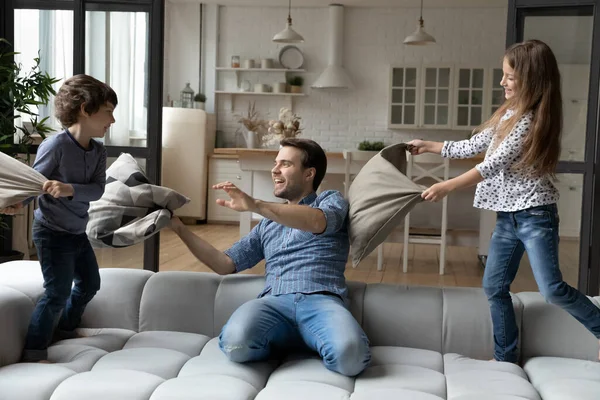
(537, 81)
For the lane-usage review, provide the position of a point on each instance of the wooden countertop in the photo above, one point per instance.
(265, 152)
(235, 152)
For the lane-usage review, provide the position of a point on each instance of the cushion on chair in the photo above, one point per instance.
(131, 208)
(380, 197)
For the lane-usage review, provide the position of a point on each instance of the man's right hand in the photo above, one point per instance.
(205, 252)
(11, 210)
(175, 223)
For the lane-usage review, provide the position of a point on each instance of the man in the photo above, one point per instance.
(305, 245)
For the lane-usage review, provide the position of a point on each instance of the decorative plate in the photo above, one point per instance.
(291, 57)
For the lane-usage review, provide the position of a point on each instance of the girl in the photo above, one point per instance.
(522, 140)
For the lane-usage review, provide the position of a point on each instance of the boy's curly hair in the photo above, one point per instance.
(78, 90)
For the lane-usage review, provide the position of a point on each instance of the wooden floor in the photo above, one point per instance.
(462, 265)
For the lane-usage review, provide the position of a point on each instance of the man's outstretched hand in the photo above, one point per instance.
(175, 223)
(240, 201)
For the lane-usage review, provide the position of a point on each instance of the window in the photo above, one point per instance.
(48, 33)
(116, 52)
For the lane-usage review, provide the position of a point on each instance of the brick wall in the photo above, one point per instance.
(373, 38)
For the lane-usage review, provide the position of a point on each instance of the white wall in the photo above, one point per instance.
(337, 119)
(182, 49)
(373, 37)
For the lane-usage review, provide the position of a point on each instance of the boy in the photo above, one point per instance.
(75, 166)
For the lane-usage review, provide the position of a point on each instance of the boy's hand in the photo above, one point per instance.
(58, 189)
(11, 210)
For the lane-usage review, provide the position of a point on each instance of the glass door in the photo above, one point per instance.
(577, 53)
(119, 42)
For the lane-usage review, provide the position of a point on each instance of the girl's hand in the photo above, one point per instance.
(58, 189)
(417, 146)
(436, 192)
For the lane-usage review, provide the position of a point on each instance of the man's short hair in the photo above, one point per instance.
(313, 156)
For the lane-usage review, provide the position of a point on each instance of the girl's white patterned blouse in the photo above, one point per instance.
(503, 188)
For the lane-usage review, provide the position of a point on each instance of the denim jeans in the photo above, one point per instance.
(319, 322)
(534, 230)
(64, 257)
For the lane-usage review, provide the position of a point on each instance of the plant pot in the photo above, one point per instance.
(12, 255)
(199, 105)
(295, 89)
(251, 139)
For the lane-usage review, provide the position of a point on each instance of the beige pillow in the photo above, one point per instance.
(18, 181)
(380, 197)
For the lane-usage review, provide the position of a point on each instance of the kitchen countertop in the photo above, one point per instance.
(273, 152)
(236, 152)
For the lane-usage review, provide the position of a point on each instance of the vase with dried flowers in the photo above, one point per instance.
(288, 126)
(253, 125)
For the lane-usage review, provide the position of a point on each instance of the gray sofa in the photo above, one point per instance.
(152, 336)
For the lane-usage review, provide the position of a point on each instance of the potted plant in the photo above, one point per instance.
(288, 126)
(296, 83)
(365, 145)
(20, 91)
(199, 101)
(254, 126)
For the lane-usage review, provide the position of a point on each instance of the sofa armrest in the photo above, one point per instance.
(15, 312)
(549, 331)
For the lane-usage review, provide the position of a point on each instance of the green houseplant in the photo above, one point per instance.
(199, 100)
(295, 83)
(371, 146)
(21, 91)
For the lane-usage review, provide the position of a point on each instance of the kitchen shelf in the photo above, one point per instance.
(260, 93)
(259, 69)
(238, 71)
(233, 94)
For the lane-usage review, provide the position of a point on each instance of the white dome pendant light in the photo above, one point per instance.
(288, 35)
(419, 37)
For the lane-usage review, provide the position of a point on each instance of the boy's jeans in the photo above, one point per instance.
(320, 322)
(64, 257)
(534, 230)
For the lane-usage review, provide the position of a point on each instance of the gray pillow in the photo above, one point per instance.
(380, 197)
(131, 208)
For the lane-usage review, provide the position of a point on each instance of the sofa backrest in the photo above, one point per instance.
(447, 320)
(443, 320)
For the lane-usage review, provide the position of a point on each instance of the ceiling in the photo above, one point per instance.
(355, 3)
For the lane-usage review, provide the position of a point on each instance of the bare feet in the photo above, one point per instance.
(45, 362)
